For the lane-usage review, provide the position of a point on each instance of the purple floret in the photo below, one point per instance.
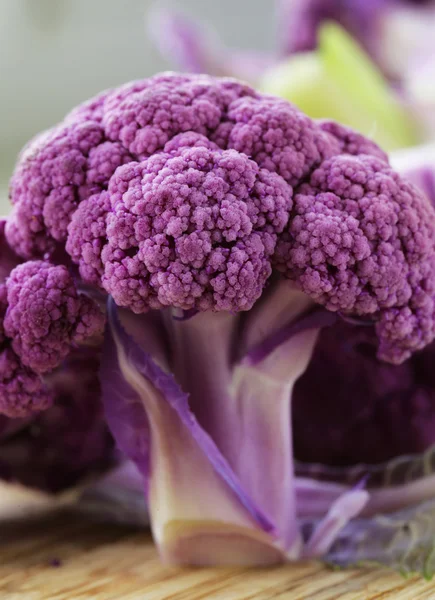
(103, 160)
(350, 141)
(8, 258)
(46, 316)
(276, 135)
(121, 93)
(189, 139)
(3, 308)
(144, 121)
(57, 170)
(21, 390)
(87, 236)
(42, 317)
(52, 431)
(45, 187)
(362, 242)
(193, 229)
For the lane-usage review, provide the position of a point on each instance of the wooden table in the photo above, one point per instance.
(73, 558)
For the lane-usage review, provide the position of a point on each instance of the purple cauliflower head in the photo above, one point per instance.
(276, 135)
(187, 191)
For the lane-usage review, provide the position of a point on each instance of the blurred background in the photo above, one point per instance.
(57, 53)
(376, 72)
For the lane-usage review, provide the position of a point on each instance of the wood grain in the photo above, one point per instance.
(73, 558)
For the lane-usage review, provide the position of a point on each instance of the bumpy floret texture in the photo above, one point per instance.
(44, 365)
(57, 170)
(144, 121)
(3, 308)
(42, 317)
(46, 315)
(61, 168)
(87, 230)
(21, 390)
(276, 135)
(87, 236)
(194, 228)
(350, 141)
(362, 242)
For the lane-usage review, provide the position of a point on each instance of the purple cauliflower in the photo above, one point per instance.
(238, 243)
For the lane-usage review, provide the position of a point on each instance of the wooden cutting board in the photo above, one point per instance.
(73, 558)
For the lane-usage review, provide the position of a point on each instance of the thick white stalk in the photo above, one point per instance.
(246, 408)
